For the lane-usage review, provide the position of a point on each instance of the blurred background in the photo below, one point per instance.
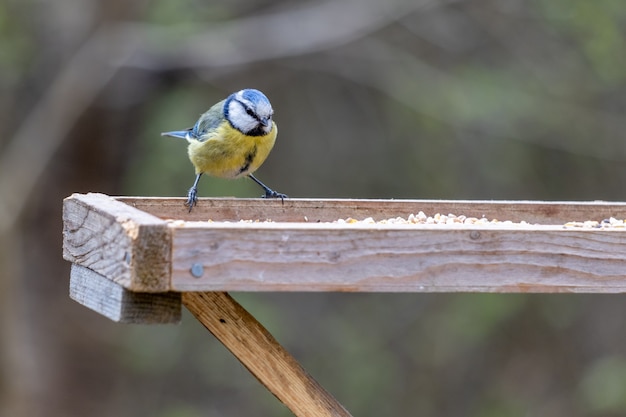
(460, 99)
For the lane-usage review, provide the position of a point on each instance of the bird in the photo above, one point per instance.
(231, 140)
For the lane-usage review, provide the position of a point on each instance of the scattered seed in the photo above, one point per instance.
(453, 219)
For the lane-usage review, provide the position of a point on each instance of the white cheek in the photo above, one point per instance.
(240, 119)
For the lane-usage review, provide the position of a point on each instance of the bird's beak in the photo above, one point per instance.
(267, 121)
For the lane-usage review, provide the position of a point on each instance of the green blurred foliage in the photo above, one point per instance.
(475, 99)
(603, 387)
(16, 48)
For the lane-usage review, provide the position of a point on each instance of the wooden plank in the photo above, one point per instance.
(293, 255)
(396, 258)
(111, 300)
(328, 210)
(126, 245)
(264, 357)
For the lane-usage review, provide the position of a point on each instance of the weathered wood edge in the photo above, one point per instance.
(113, 301)
(358, 258)
(124, 244)
(262, 355)
(328, 210)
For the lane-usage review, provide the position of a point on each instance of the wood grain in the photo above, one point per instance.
(294, 255)
(264, 357)
(126, 245)
(111, 300)
(328, 210)
(384, 258)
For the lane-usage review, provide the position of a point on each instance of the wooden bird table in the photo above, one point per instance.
(137, 260)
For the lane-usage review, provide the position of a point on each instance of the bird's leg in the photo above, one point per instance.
(192, 198)
(269, 193)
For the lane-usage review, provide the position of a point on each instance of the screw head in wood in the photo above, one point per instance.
(474, 235)
(197, 270)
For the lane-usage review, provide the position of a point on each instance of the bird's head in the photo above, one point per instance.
(250, 112)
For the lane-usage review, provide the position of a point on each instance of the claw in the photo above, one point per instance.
(192, 198)
(192, 194)
(269, 193)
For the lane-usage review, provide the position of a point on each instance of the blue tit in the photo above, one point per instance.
(231, 140)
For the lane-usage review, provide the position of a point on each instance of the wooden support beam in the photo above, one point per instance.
(111, 300)
(155, 245)
(264, 357)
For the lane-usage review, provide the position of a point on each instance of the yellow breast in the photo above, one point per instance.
(228, 153)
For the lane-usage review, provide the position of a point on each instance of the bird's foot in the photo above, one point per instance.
(192, 198)
(269, 193)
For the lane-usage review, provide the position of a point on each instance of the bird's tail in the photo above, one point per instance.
(181, 134)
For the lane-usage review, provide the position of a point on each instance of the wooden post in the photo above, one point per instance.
(264, 357)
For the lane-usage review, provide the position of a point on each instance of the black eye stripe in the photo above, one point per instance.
(252, 114)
